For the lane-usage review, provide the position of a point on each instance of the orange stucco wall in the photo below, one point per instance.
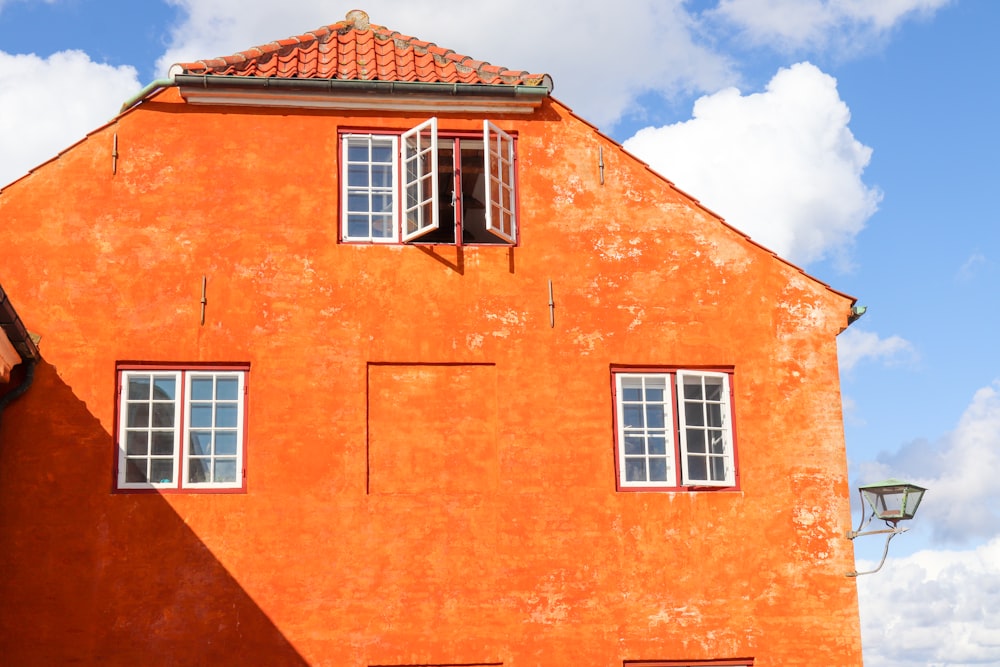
(345, 550)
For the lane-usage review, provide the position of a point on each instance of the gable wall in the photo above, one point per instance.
(516, 549)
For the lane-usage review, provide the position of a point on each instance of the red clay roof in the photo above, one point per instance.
(353, 49)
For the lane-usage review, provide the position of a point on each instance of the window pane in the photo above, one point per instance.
(135, 471)
(718, 442)
(693, 414)
(225, 416)
(162, 471)
(381, 226)
(692, 387)
(357, 226)
(163, 443)
(654, 394)
(225, 470)
(654, 416)
(164, 389)
(201, 443)
(631, 393)
(635, 470)
(696, 468)
(357, 175)
(201, 389)
(138, 388)
(382, 203)
(381, 176)
(138, 415)
(718, 468)
(695, 440)
(137, 443)
(357, 202)
(657, 469)
(657, 445)
(713, 389)
(382, 151)
(201, 416)
(226, 389)
(633, 416)
(163, 415)
(714, 411)
(634, 444)
(357, 150)
(225, 442)
(198, 470)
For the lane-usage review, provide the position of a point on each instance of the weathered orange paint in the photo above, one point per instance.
(515, 549)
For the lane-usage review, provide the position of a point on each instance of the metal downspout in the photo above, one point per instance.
(146, 92)
(29, 377)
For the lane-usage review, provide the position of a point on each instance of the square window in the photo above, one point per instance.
(181, 428)
(674, 429)
(422, 186)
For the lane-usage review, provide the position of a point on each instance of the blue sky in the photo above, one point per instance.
(857, 139)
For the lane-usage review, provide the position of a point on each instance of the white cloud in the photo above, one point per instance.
(933, 608)
(959, 471)
(569, 39)
(856, 345)
(819, 24)
(970, 267)
(47, 104)
(781, 165)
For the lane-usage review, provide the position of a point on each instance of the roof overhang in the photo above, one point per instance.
(359, 95)
(16, 344)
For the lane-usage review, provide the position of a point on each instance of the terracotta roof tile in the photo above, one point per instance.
(353, 49)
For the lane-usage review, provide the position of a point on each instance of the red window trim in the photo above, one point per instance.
(737, 662)
(345, 130)
(673, 369)
(198, 366)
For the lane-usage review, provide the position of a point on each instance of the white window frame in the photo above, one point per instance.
(182, 428)
(370, 189)
(419, 148)
(500, 191)
(415, 162)
(681, 447)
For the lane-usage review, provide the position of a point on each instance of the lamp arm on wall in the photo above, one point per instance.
(892, 532)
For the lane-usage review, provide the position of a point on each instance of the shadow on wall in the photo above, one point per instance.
(91, 577)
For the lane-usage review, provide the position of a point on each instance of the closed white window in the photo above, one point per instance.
(674, 429)
(181, 428)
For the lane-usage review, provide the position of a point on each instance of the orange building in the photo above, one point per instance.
(360, 352)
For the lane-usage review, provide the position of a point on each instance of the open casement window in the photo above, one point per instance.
(500, 182)
(445, 188)
(674, 429)
(420, 180)
(181, 429)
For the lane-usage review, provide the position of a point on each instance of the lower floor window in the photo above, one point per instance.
(181, 428)
(674, 429)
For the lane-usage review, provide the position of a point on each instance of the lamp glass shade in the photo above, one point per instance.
(893, 500)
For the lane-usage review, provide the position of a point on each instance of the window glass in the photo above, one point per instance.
(653, 450)
(154, 421)
(430, 189)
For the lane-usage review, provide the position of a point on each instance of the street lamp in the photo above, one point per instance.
(891, 501)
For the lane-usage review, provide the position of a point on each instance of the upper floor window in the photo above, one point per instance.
(181, 428)
(674, 429)
(426, 187)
